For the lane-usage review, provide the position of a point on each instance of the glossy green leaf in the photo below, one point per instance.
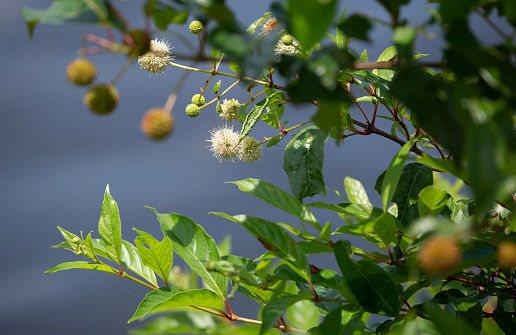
(278, 198)
(303, 162)
(445, 321)
(341, 321)
(303, 315)
(169, 298)
(257, 23)
(216, 88)
(83, 265)
(110, 227)
(162, 17)
(158, 256)
(357, 26)
(131, 259)
(274, 239)
(61, 11)
(431, 201)
(357, 194)
(393, 174)
(414, 177)
(275, 108)
(505, 322)
(277, 307)
(194, 246)
(185, 322)
(253, 117)
(303, 26)
(385, 227)
(387, 55)
(373, 288)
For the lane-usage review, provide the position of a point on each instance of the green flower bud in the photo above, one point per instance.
(192, 110)
(198, 100)
(76, 240)
(196, 27)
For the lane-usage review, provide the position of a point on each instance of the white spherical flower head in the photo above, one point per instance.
(156, 60)
(291, 49)
(250, 150)
(229, 110)
(223, 144)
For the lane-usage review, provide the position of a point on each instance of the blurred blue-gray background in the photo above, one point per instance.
(57, 157)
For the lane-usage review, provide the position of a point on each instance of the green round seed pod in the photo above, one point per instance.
(198, 100)
(102, 98)
(287, 39)
(81, 71)
(196, 27)
(192, 110)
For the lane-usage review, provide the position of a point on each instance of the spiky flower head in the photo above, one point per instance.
(157, 123)
(229, 110)
(290, 49)
(192, 110)
(81, 71)
(198, 100)
(270, 25)
(156, 60)
(250, 150)
(223, 144)
(439, 254)
(506, 253)
(196, 27)
(102, 98)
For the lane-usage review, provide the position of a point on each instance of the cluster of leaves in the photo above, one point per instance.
(464, 112)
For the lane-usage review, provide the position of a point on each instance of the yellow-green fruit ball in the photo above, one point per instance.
(198, 100)
(438, 255)
(157, 123)
(287, 39)
(81, 71)
(192, 110)
(196, 27)
(102, 98)
(506, 253)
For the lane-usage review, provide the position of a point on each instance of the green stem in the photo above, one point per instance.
(218, 97)
(215, 73)
(126, 275)
(204, 51)
(282, 134)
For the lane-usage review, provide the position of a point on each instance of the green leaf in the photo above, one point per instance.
(168, 298)
(61, 11)
(505, 322)
(373, 288)
(363, 57)
(357, 194)
(83, 265)
(130, 258)
(159, 256)
(385, 227)
(167, 15)
(393, 6)
(393, 173)
(387, 55)
(278, 198)
(257, 23)
(274, 239)
(310, 19)
(342, 321)
(403, 38)
(275, 108)
(356, 26)
(194, 246)
(216, 88)
(414, 178)
(110, 227)
(275, 308)
(445, 321)
(431, 201)
(303, 315)
(254, 116)
(234, 67)
(328, 118)
(303, 162)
